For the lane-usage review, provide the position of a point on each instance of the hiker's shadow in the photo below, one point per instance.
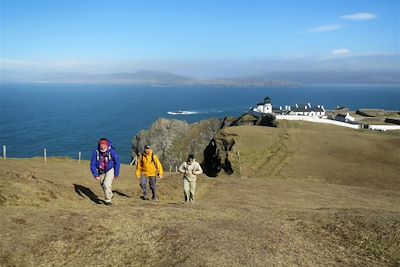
(120, 194)
(83, 191)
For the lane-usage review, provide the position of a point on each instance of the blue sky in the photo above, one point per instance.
(203, 38)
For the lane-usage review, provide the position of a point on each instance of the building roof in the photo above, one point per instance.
(308, 109)
(267, 100)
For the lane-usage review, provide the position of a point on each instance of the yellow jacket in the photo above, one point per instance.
(148, 165)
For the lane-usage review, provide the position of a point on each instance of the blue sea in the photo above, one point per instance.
(67, 119)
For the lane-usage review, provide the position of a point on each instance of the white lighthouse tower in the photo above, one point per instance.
(267, 107)
(262, 108)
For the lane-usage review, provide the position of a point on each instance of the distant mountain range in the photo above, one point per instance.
(273, 79)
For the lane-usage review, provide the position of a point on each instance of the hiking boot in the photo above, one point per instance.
(155, 200)
(144, 198)
(108, 203)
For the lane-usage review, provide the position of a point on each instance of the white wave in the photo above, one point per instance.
(182, 112)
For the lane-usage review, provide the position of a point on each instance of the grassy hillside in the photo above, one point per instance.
(307, 195)
(323, 153)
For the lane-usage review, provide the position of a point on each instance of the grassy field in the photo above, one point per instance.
(307, 195)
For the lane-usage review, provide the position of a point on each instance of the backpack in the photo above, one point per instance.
(152, 158)
(109, 157)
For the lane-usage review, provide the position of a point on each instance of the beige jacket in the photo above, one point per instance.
(190, 170)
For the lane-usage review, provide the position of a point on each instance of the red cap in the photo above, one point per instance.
(105, 142)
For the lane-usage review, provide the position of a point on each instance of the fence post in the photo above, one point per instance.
(240, 168)
(4, 152)
(79, 157)
(45, 154)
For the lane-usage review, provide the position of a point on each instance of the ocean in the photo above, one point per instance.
(69, 118)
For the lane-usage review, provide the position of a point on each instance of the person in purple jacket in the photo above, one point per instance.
(104, 166)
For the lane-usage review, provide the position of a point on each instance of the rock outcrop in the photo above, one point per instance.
(248, 119)
(173, 140)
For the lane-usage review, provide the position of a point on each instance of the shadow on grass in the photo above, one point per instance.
(121, 194)
(83, 191)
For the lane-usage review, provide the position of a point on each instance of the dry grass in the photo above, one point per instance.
(294, 205)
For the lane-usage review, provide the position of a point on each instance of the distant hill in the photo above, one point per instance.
(142, 78)
(334, 77)
(270, 79)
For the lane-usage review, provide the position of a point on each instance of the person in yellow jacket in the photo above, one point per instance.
(148, 168)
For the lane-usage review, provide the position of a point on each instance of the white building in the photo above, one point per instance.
(303, 110)
(307, 110)
(265, 107)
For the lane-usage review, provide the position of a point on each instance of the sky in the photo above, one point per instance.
(199, 38)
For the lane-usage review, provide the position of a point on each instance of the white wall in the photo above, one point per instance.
(317, 120)
(384, 127)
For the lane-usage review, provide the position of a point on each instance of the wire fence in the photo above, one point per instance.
(133, 162)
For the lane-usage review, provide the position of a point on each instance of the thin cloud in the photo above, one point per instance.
(340, 51)
(326, 28)
(356, 55)
(45, 65)
(359, 16)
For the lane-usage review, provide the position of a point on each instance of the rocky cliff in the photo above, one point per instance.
(173, 140)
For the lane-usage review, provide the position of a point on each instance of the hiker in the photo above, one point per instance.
(148, 168)
(190, 169)
(104, 166)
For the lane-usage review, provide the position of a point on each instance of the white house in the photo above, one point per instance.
(307, 110)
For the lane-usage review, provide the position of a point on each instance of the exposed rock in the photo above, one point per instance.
(245, 119)
(173, 140)
(248, 119)
(219, 155)
(267, 120)
(394, 121)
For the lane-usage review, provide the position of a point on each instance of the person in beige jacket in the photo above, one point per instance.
(190, 169)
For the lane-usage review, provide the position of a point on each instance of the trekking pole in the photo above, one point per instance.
(45, 154)
(4, 152)
(133, 161)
